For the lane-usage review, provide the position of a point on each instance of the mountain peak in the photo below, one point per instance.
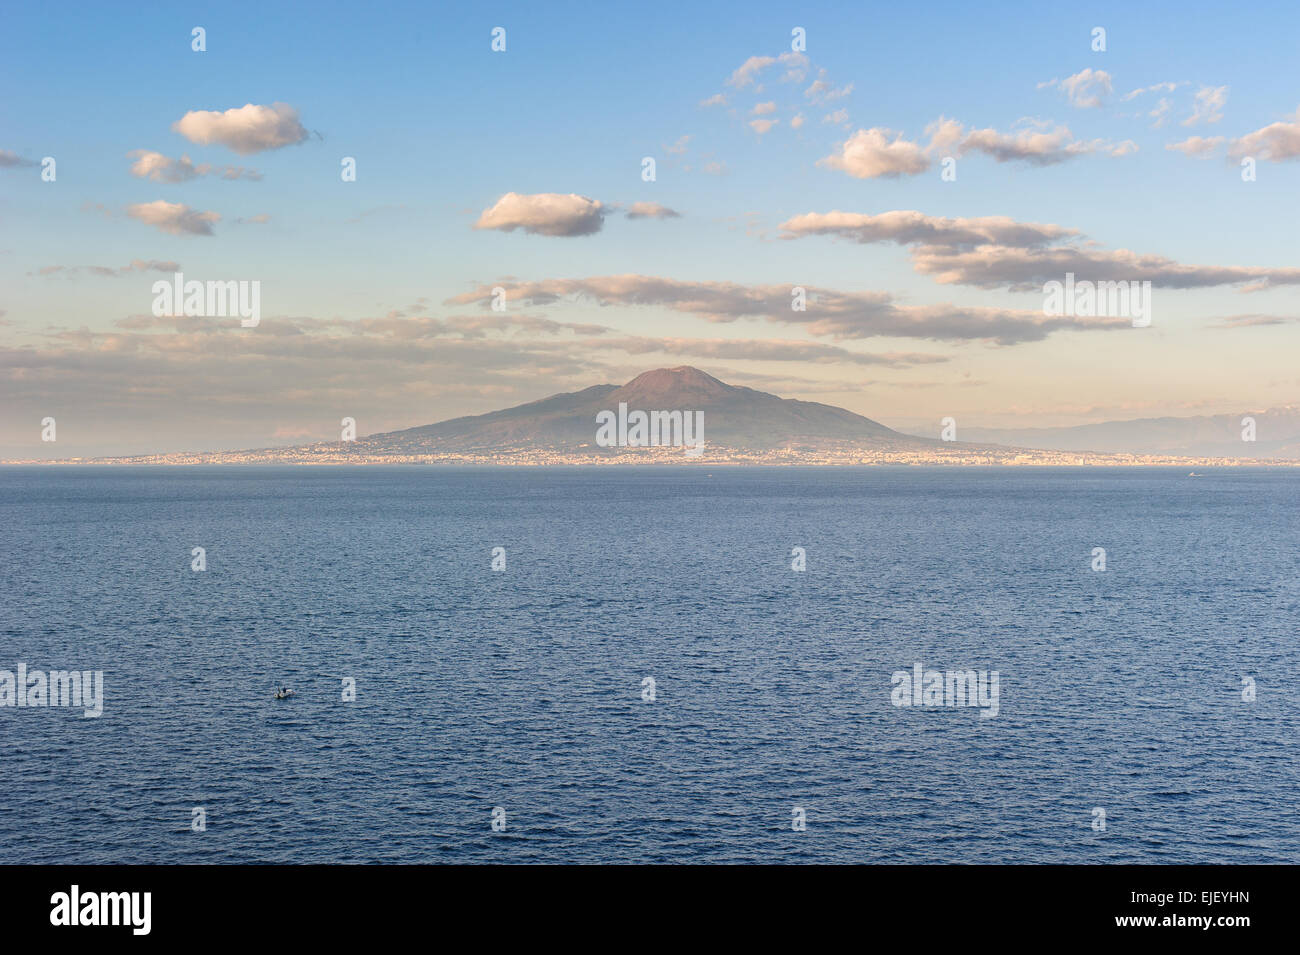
(683, 386)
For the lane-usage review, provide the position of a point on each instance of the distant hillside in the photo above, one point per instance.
(734, 417)
(1277, 436)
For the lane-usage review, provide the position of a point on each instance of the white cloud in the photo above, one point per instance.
(650, 210)
(1027, 269)
(248, 129)
(999, 252)
(748, 71)
(872, 154)
(764, 109)
(1276, 142)
(752, 68)
(945, 136)
(1085, 89)
(174, 218)
(839, 315)
(159, 168)
(1037, 147)
(1197, 147)
(762, 126)
(823, 91)
(545, 213)
(908, 226)
(1168, 87)
(1160, 113)
(1209, 105)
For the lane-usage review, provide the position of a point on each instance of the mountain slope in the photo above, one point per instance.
(734, 417)
(1277, 436)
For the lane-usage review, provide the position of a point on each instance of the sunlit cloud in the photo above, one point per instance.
(248, 129)
(174, 218)
(829, 313)
(159, 168)
(545, 213)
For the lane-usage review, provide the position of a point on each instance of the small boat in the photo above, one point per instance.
(284, 693)
(1194, 474)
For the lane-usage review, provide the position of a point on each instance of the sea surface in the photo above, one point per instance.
(1120, 690)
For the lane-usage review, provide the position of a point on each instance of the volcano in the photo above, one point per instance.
(733, 416)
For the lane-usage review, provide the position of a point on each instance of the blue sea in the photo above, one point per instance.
(521, 690)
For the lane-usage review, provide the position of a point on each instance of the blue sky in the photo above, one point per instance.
(442, 127)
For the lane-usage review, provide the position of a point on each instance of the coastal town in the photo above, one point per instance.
(348, 453)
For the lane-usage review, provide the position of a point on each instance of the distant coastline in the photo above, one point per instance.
(336, 455)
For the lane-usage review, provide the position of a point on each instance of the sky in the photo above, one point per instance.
(920, 171)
